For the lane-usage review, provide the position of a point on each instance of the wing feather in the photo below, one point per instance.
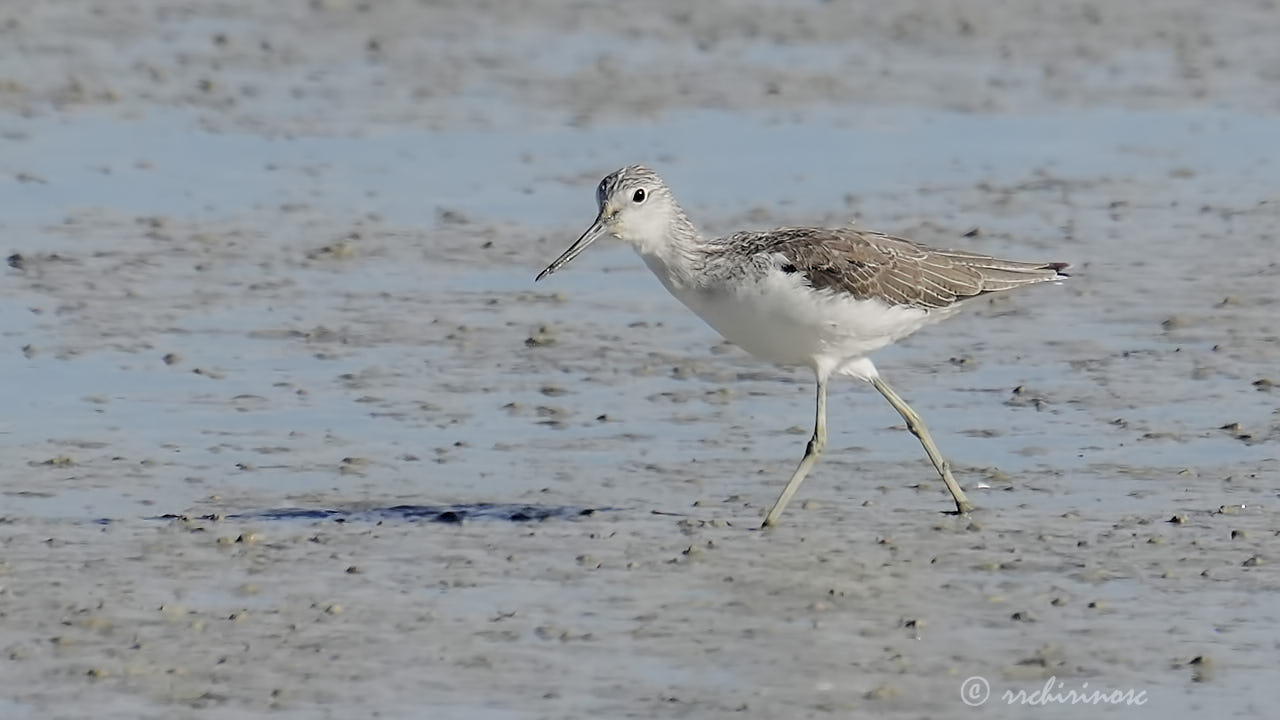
(898, 271)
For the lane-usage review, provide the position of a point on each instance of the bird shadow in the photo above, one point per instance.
(445, 514)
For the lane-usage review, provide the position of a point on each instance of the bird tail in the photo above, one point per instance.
(998, 274)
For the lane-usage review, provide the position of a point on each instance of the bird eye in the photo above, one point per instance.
(638, 196)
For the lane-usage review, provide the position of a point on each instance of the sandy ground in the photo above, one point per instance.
(279, 256)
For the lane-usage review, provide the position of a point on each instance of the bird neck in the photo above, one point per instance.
(673, 253)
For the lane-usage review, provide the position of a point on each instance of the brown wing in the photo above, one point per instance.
(899, 271)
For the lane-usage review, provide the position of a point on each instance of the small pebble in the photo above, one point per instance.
(173, 612)
(1203, 668)
(883, 692)
(541, 338)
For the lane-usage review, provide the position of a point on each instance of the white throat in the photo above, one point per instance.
(669, 249)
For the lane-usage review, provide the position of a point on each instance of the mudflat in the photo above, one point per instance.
(290, 431)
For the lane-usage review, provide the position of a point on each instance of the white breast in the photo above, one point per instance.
(781, 320)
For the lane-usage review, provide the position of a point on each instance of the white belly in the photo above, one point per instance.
(780, 320)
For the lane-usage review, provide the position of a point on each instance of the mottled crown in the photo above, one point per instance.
(622, 183)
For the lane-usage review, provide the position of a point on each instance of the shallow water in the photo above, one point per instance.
(805, 163)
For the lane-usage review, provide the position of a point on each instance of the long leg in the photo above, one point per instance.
(917, 427)
(812, 452)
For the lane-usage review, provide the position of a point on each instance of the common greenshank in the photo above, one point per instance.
(802, 296)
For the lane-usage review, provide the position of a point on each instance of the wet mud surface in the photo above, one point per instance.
(290, 431)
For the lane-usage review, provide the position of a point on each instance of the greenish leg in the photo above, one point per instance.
(917, 427)
(811, 454)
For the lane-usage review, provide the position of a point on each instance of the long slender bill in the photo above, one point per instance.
(593, 233)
